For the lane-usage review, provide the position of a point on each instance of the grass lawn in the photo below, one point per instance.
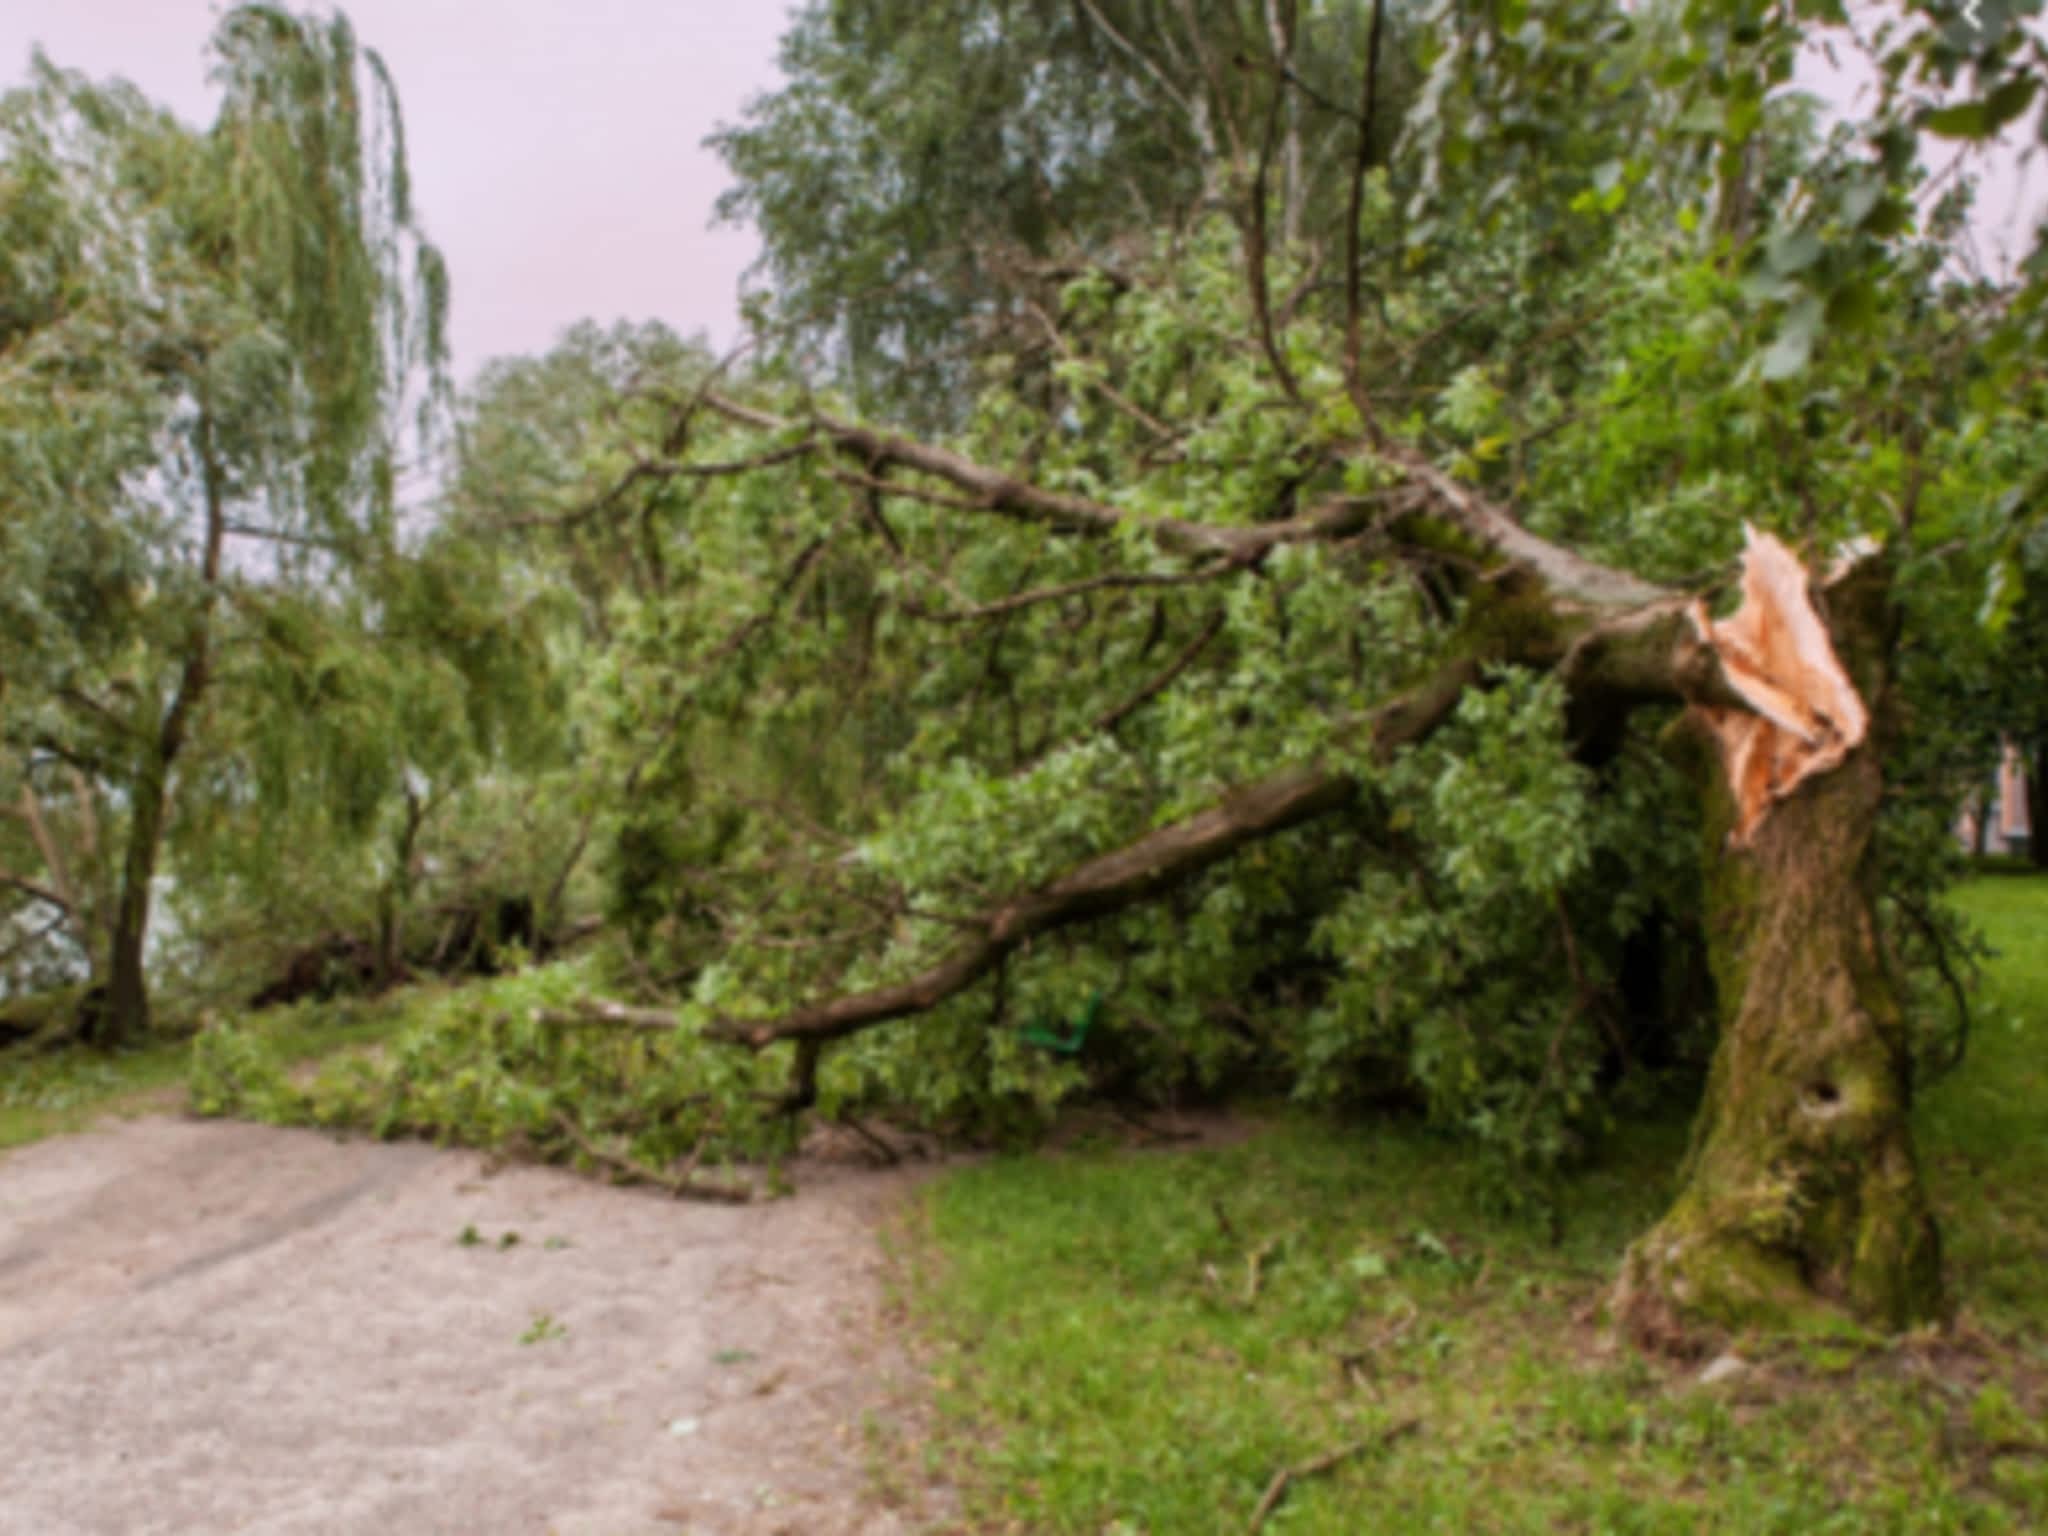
(67, 1090)
(1128, 1341)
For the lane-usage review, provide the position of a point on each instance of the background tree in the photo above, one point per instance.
(930, 175)
(211, 347)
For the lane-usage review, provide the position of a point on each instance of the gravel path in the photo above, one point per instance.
(214, 1327)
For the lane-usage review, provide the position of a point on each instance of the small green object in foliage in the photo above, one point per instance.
(1040, 1033)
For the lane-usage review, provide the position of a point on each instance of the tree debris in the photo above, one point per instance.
(1315, 1466)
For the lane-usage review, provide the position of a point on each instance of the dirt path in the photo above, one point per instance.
(212, 1327)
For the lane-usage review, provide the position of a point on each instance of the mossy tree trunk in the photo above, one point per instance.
(1801, 1199)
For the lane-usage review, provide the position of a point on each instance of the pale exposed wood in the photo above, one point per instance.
(1804, 713)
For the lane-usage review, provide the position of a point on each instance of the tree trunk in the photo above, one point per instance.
(1800, 1200)
(396, 894)
(126, 1015)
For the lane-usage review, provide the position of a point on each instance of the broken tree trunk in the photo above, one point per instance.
(1800, 1199)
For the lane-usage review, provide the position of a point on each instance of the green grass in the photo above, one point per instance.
(1105, 1363)
(1984, 1131)
(67, 1090)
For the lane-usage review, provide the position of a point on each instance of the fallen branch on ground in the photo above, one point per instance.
(682, 1186)
(1315, 1466)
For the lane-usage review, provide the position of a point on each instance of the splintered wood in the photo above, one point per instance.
(1775, 653)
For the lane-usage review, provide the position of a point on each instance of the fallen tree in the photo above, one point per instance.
(1802, 1186)
(1318, 652)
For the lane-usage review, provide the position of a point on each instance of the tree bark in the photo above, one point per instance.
(1800, 1201)
(127, 1014)
(395, 895)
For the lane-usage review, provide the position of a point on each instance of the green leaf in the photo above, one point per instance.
(1981, 119)
(1791, 251)
(1789, 354)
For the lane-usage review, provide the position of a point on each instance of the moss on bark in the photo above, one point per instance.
(1800, 1202)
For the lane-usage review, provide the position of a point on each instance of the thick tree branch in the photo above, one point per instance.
(1121, 878)
(1570, 575)
(1640, 655)
(31, 812)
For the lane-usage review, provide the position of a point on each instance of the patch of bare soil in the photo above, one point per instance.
(213, 1327)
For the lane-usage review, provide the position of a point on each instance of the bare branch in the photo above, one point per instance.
(682, 1186)
(1571, 575)
(1566, 572)
(1315, 1466)
(1113, 580)
(1196, 114)
(31, 811)
(1354, 377)
(1255, 243)
(30, 888)
(1110, 719)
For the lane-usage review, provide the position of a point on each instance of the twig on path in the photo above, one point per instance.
(1315, 1466)
(683, 1186)
(889, 1155)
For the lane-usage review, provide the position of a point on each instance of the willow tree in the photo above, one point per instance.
(213, 342)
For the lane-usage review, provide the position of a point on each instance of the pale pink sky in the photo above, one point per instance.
(556, 144)
(2012, 192)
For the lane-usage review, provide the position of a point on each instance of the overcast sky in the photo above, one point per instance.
(557, 145)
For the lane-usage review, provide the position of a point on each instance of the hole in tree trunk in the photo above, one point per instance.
(1822, 1096)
